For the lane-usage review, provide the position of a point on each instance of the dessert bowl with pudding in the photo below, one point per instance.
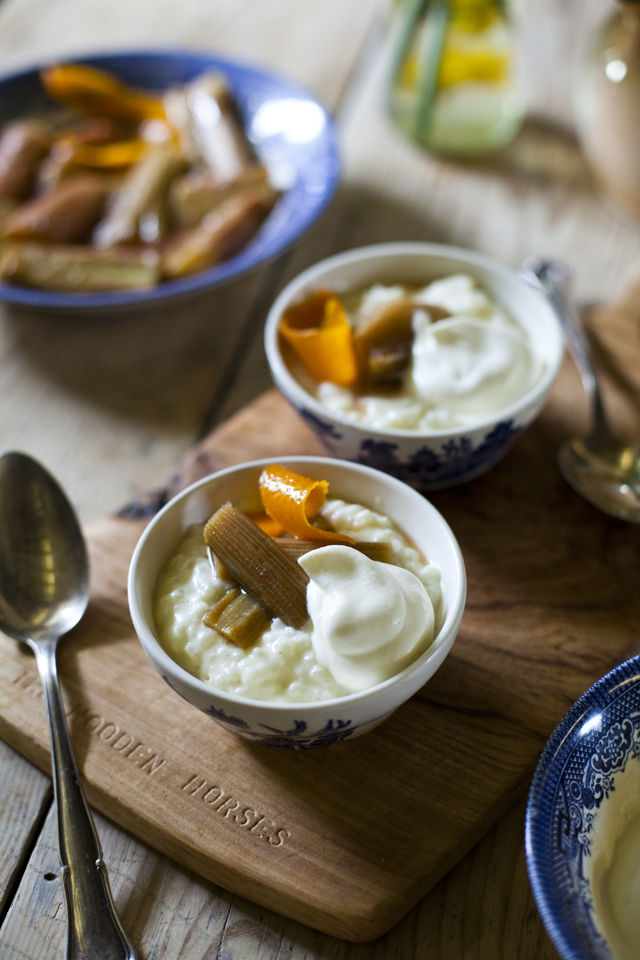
(297, 602)
(419, 359)
(583, 823)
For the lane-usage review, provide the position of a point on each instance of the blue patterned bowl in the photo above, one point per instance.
(291, 131)
(324, 722)
(439, 458)
(585, 793)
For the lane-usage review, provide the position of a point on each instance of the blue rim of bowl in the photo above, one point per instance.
(264, 247)
(542, 792)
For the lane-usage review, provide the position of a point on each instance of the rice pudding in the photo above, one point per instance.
(305, 663)
(438, 357)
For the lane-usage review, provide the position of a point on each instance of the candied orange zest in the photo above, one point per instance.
(290, 499)
(122, 153)
(267, 523)
(319, 333)
(92, 91)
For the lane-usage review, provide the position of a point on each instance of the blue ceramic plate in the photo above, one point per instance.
(292, 133)
(590, 749)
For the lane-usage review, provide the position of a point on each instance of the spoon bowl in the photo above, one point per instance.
(44, 590)
(611, 483)
(602, 467)
(44, 570)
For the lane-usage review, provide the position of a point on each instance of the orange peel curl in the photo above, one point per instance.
(319, 333)
(290, 499)
(96, 92)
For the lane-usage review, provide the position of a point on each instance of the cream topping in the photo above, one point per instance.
(464, 364)
(369, 618)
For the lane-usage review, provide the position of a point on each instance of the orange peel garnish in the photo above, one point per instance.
(92, 91)
(290, 499)
(122, 153)
(267, 523)
(319, 333)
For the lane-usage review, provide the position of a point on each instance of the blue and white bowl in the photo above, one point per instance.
(291, 131)
(325, 722)
(584, 796)
(437, 458)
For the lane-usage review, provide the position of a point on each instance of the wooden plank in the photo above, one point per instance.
(482, 911)
(313, 41)
(26, 793)
(110, 405)
(167, 911)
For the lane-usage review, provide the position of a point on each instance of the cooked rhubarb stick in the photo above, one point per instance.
(22, 146)
(144, 187)
(217, 128)
(221, 234)
(238, 618)
(259, 565)
(66, 215)
(294, 548)
(195, 194)
(179, 118)
(76, 269)
(7, 206)
(383, 340)
(218, 568)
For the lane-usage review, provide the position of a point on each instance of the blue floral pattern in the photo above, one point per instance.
(334, 731)
(325, 431)
(456, 461)
(234, 723)
(296, 738)
(577, 772)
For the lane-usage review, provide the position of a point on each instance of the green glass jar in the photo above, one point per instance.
(452, 85)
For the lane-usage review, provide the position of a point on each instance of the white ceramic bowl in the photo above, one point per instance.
(438, 458)
(299, 725)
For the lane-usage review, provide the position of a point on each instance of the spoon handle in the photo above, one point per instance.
(552, 278)
(94, 929)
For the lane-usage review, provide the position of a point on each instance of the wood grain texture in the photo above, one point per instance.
(314, 41)
(26, 793)
(475, 914)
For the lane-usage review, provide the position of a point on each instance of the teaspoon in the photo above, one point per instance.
(44, 589)
(601, 466)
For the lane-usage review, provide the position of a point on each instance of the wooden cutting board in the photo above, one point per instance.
(348, 838)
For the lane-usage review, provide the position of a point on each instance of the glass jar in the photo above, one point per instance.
(607, 102)
(453, 84)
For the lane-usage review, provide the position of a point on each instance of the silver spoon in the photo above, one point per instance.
(601, 466)
(44, 589)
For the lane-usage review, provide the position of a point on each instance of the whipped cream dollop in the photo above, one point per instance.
(370, 619)
(465, 365)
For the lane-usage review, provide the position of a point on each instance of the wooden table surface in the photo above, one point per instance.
(110, 406)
